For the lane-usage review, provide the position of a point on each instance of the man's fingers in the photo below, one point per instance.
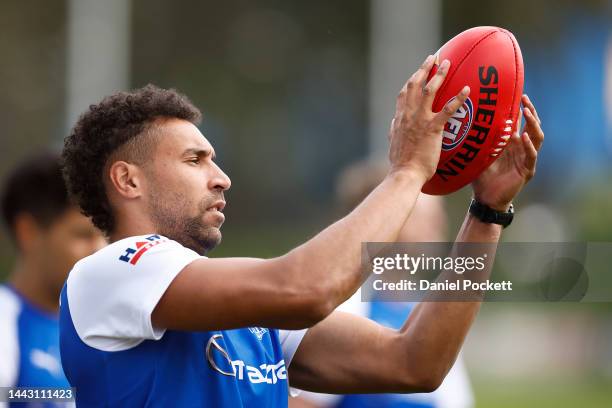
(533, 128)
(451, 107)
(411, 91)
(391, 129)
(417, 80)
(429, 91)
(527, 102)
(531, 154)
(421, 74)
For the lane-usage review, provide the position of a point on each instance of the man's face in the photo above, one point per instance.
(59, 246)
(185, 187)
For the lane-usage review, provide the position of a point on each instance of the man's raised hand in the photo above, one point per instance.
(416, 131)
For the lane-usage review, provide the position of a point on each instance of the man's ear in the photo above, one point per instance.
(27, 232)
(126, 179)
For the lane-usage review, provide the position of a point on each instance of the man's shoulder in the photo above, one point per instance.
(111, 294)
(130, 250)
(10, 310)
(10, 302)
(14, 306)
(7, 294)
(126, 252)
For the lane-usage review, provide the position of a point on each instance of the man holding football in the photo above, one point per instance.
(150, 321)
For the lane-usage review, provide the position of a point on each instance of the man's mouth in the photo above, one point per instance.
(217, 206)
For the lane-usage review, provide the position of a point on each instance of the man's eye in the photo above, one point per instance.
(195, 161)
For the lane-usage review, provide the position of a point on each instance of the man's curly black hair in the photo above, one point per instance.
(118, 120)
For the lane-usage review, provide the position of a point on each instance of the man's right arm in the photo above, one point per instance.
(292, 291)
(305, 285)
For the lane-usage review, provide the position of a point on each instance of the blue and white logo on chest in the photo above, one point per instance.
(258, 332)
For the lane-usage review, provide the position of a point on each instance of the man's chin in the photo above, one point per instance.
(200, 239)
(209, 240)
(215, 236)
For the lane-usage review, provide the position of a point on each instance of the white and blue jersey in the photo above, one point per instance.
(114, 356)
(29, 345)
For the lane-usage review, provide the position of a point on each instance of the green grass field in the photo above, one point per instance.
(542, 393)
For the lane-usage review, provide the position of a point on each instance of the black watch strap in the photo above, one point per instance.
(487, 214)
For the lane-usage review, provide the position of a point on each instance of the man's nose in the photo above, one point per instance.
(220, 180)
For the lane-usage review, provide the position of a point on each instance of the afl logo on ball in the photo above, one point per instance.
(457, 126)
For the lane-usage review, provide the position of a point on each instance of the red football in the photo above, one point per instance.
(489, 60)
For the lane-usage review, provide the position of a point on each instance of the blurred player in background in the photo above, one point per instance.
(50, 235)
(427, 223)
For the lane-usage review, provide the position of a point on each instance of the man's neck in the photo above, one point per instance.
(26, 280)
(130, 229)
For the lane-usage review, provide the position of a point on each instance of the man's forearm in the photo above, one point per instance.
(415, 359)
(333, 257)
(435, 330)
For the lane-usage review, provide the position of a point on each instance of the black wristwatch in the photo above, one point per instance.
(487, 214)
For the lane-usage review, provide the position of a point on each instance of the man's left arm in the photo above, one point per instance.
(348, 354)
(351, 354)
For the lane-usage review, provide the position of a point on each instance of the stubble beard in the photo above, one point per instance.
(169, 214)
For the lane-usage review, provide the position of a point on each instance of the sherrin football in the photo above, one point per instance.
(489, 61)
